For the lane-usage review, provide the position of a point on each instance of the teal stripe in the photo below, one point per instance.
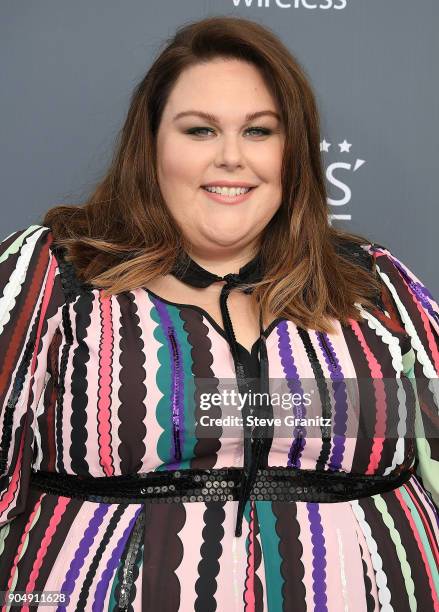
(112, 604)
(272, 559)
(188, 387)
(163, 376)
(186, 390)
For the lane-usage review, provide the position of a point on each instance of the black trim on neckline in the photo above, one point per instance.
(266, 332)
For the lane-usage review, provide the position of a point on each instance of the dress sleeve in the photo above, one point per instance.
(419, 313)
(31, 297)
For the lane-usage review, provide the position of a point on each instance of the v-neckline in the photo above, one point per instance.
(252, 353)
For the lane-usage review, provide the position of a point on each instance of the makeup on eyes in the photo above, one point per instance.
(263, 131)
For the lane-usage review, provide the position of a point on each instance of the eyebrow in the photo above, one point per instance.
(213, 119)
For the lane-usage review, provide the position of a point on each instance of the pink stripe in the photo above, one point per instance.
(104, 392)
(419, 543)
(249, 594)
(45, 542)
(22, 541)
(427, 503)
(380, 423)
(9, 495)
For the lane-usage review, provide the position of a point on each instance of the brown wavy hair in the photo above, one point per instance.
(123, 236)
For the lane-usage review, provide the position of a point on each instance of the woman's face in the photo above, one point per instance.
(227, 148)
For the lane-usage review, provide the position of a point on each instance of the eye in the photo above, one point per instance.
(196, 131)
(264, 131)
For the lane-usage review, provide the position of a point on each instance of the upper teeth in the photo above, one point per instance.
(228, 191)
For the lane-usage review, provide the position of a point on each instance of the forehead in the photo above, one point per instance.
(228, 89)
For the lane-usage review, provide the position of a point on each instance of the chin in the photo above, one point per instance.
(223, 240)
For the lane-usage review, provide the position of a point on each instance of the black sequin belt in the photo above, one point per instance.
(218, 484)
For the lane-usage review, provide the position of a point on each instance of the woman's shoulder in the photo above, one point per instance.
(25, 247)
(359, 252)
(34, 234)
(370, 254)
(31, 252)
(29, 279)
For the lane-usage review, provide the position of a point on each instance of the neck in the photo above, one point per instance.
(222, 263)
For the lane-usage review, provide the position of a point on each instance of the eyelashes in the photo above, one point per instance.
(196, 130)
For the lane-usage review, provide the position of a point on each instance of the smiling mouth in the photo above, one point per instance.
(206, 189)
(229, 199)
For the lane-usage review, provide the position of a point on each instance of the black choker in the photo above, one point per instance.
(187, 270)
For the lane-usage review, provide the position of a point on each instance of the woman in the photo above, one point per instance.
(120, 317)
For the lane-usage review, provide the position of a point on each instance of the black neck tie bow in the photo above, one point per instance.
(256, 443)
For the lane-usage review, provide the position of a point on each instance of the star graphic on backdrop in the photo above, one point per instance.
(345, 146)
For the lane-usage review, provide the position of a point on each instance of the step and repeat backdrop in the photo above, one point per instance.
(68, 69)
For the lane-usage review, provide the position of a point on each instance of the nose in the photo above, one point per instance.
(229, 151)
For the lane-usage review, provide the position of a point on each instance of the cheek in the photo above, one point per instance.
(268, 162)
(175, 168)
(178, 165)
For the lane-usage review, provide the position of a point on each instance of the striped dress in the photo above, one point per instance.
(89, 386)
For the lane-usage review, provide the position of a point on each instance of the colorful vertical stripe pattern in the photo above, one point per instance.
(108, 386)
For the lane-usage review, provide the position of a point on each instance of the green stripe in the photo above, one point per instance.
(18, 242)
(400, 550)
(423, 536)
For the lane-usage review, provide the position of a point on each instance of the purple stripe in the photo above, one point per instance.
(424, 494)
(177, 385)
(102, 587)
(82, 551)
(340, 408)
(421, 292)
(319, 558)
(293, 381)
